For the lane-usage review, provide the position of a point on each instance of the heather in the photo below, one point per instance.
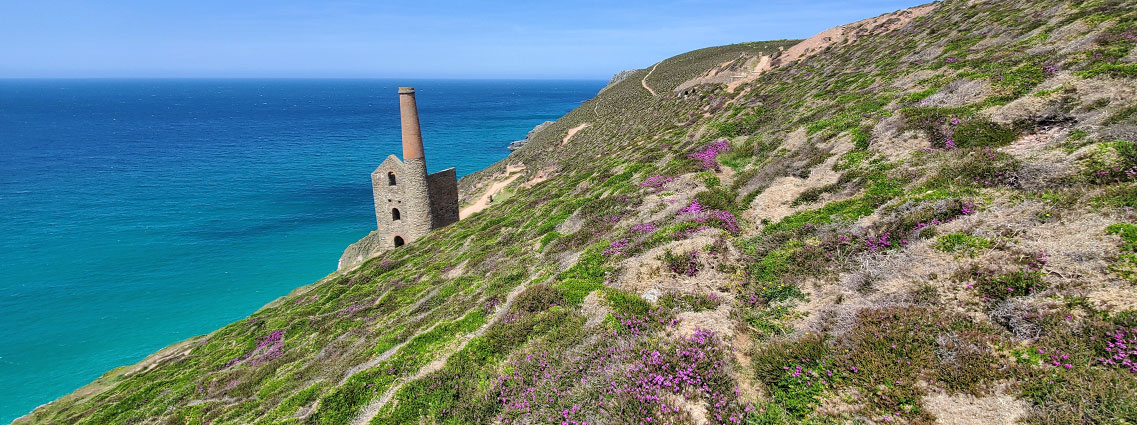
(922, 220)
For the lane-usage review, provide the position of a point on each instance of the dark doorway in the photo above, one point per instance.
(399, 241)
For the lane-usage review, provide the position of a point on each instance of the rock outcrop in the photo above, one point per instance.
(517, 144)
(620, 76)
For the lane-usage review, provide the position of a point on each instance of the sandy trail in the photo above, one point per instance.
(643, 82)
(572, 132)
(512, 171)
(851, 32)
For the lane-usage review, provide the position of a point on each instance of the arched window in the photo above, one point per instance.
(399, 241)
(395, 216)
(390, 179)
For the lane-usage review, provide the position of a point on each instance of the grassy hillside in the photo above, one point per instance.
(928, 224)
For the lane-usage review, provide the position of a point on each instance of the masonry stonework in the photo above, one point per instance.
(408, 202)
(443, 197)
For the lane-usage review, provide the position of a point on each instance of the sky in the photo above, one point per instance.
(580, 39)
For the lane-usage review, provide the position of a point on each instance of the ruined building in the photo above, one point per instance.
(408, 201)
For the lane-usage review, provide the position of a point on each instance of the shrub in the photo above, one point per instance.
(706, 156)
(980, 168)
(709, 179)
(682, 264)
(536, 298)
(938, 124)
(626, 303)
(547, 239)
(1015, 83)
(996, 286)
(983, 133)
(717, 199)
(796, 374)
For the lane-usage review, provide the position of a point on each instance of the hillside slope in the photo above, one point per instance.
(929, 219)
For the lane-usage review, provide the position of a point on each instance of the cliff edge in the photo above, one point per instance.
(930, 219)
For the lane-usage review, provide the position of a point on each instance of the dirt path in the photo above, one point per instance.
(851, 32)
(372, 409)
(643, 82)
(512, 172)
(572, 132)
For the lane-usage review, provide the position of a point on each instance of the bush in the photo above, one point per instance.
(983, 133)
(536, 298)
(782, 367)
(983, 168)
(682, 264)
(717, 199)
(626, 303)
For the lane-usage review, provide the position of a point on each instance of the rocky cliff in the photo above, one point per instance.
(927, 217)
(519, 143)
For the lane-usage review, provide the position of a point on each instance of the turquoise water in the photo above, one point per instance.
(138, 213)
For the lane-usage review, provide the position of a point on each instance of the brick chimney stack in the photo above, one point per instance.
(417, 217)
(412, 135)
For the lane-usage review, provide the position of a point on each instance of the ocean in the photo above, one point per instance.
(138, 213)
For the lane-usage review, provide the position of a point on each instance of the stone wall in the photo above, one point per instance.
(444, 197)
(390, 197)
(416, 217)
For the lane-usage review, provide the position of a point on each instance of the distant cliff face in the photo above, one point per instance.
(926, 219)
(618, 77)
(519, 143)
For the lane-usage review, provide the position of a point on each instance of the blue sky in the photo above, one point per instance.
(407, 39)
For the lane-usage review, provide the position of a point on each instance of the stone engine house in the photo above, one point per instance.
(409, 203)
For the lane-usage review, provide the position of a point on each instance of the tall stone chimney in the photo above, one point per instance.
(416, 189)
(412, 136)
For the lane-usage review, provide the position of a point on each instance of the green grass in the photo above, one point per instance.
(581, 279)
(1128, 70)
(1126, 264)
(343, 403)
(962, 243)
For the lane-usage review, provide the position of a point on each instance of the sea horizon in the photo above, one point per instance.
(145, 211)
(125, 78)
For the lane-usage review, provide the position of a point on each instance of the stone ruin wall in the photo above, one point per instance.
(443, 197)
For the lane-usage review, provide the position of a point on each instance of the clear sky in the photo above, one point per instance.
(584, 39)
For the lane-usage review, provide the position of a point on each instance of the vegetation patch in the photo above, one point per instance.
(962, 243)
(1126, 264)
